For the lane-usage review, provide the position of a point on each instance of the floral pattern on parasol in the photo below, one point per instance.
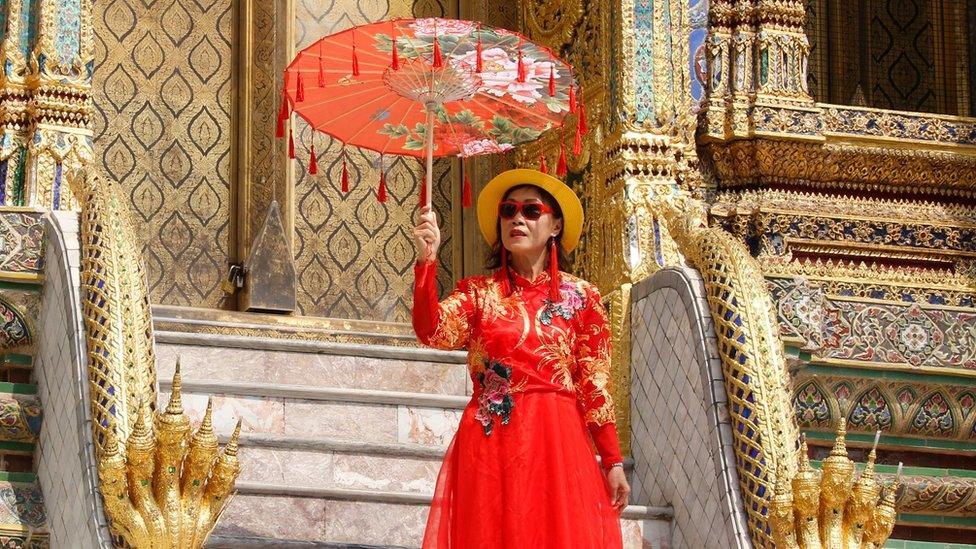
(429, 87)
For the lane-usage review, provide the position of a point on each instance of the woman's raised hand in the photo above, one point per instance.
(427, 235)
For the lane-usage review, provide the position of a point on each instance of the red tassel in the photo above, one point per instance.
(572, 99)
(355, 61)
(423, 193)
(395, 65)
(313, 165)
(381, 193)
(291, 144)
(543, 167)
(552, 79)
(466, 194)
(554, 295)
(582, 119)
(479, 64)
(438, 60)
(522, 74)
(282, 116)
(345, 176)
(300, 89)
(578, 143)
(505, 287)
(561, 169)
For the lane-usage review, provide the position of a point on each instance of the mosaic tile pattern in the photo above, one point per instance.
(681, 432)
(21, 242)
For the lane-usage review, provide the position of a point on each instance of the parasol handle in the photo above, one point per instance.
(430, 153)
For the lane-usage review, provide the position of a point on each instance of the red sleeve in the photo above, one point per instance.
(593, 378)
(444, 325)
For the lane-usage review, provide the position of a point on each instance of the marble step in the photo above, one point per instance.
(327, 463)
(331, 463)
(231, 542)
(374, 518)
(216, 357)
(383, 417)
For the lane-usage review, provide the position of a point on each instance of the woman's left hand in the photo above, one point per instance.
(619, 488)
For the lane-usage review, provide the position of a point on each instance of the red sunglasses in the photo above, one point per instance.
(530, 210)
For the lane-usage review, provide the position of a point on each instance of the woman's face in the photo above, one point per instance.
(527, 237)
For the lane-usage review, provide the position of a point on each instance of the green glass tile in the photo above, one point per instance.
(18, 183)
(18, 388)
(936, 520)
(25, 478)
(912, 544)
(20, 286)
(921, 443)
(961, 473)
(764, 66)
(21, 448)
(922, 471)
(894, 375)
(14, 358)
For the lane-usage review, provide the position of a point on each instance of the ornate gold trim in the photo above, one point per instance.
(775, 267)
(961, 373)
(754, 363)
(923, 306)
(831, 509)
(22, 277)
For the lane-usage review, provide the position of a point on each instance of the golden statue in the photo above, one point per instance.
(829, 510)
(165, 489)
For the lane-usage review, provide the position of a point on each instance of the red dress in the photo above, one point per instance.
(520, 471)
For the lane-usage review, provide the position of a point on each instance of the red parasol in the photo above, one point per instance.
(381, 86)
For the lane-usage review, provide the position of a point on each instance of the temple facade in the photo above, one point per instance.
(781, 218)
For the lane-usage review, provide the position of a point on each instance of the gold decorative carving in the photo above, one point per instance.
(799, 203)
(843, 166)
(619, 314)
(757, 60)
(45, 107)
(553, 23)
(753, 361)
(118, 325)
(831, 510)
(156, 494)
(164, 488)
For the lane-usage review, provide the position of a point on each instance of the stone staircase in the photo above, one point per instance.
(341, 441)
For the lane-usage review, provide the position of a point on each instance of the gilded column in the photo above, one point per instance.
(757, 71)
(14, 96)
(48, 52)
(631, 59)
(649, 158)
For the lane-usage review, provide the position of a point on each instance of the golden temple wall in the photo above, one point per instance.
(186, 101)
(164, 90)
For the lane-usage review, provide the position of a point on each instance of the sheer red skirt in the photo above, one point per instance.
(532, 483)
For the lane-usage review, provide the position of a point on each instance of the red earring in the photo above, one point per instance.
(553, 271)
(505, 287)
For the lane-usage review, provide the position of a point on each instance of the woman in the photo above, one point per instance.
(520, 471)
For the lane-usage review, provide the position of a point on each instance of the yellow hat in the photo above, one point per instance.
(491, 196)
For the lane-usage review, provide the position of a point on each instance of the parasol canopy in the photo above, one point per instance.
(429, 87)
